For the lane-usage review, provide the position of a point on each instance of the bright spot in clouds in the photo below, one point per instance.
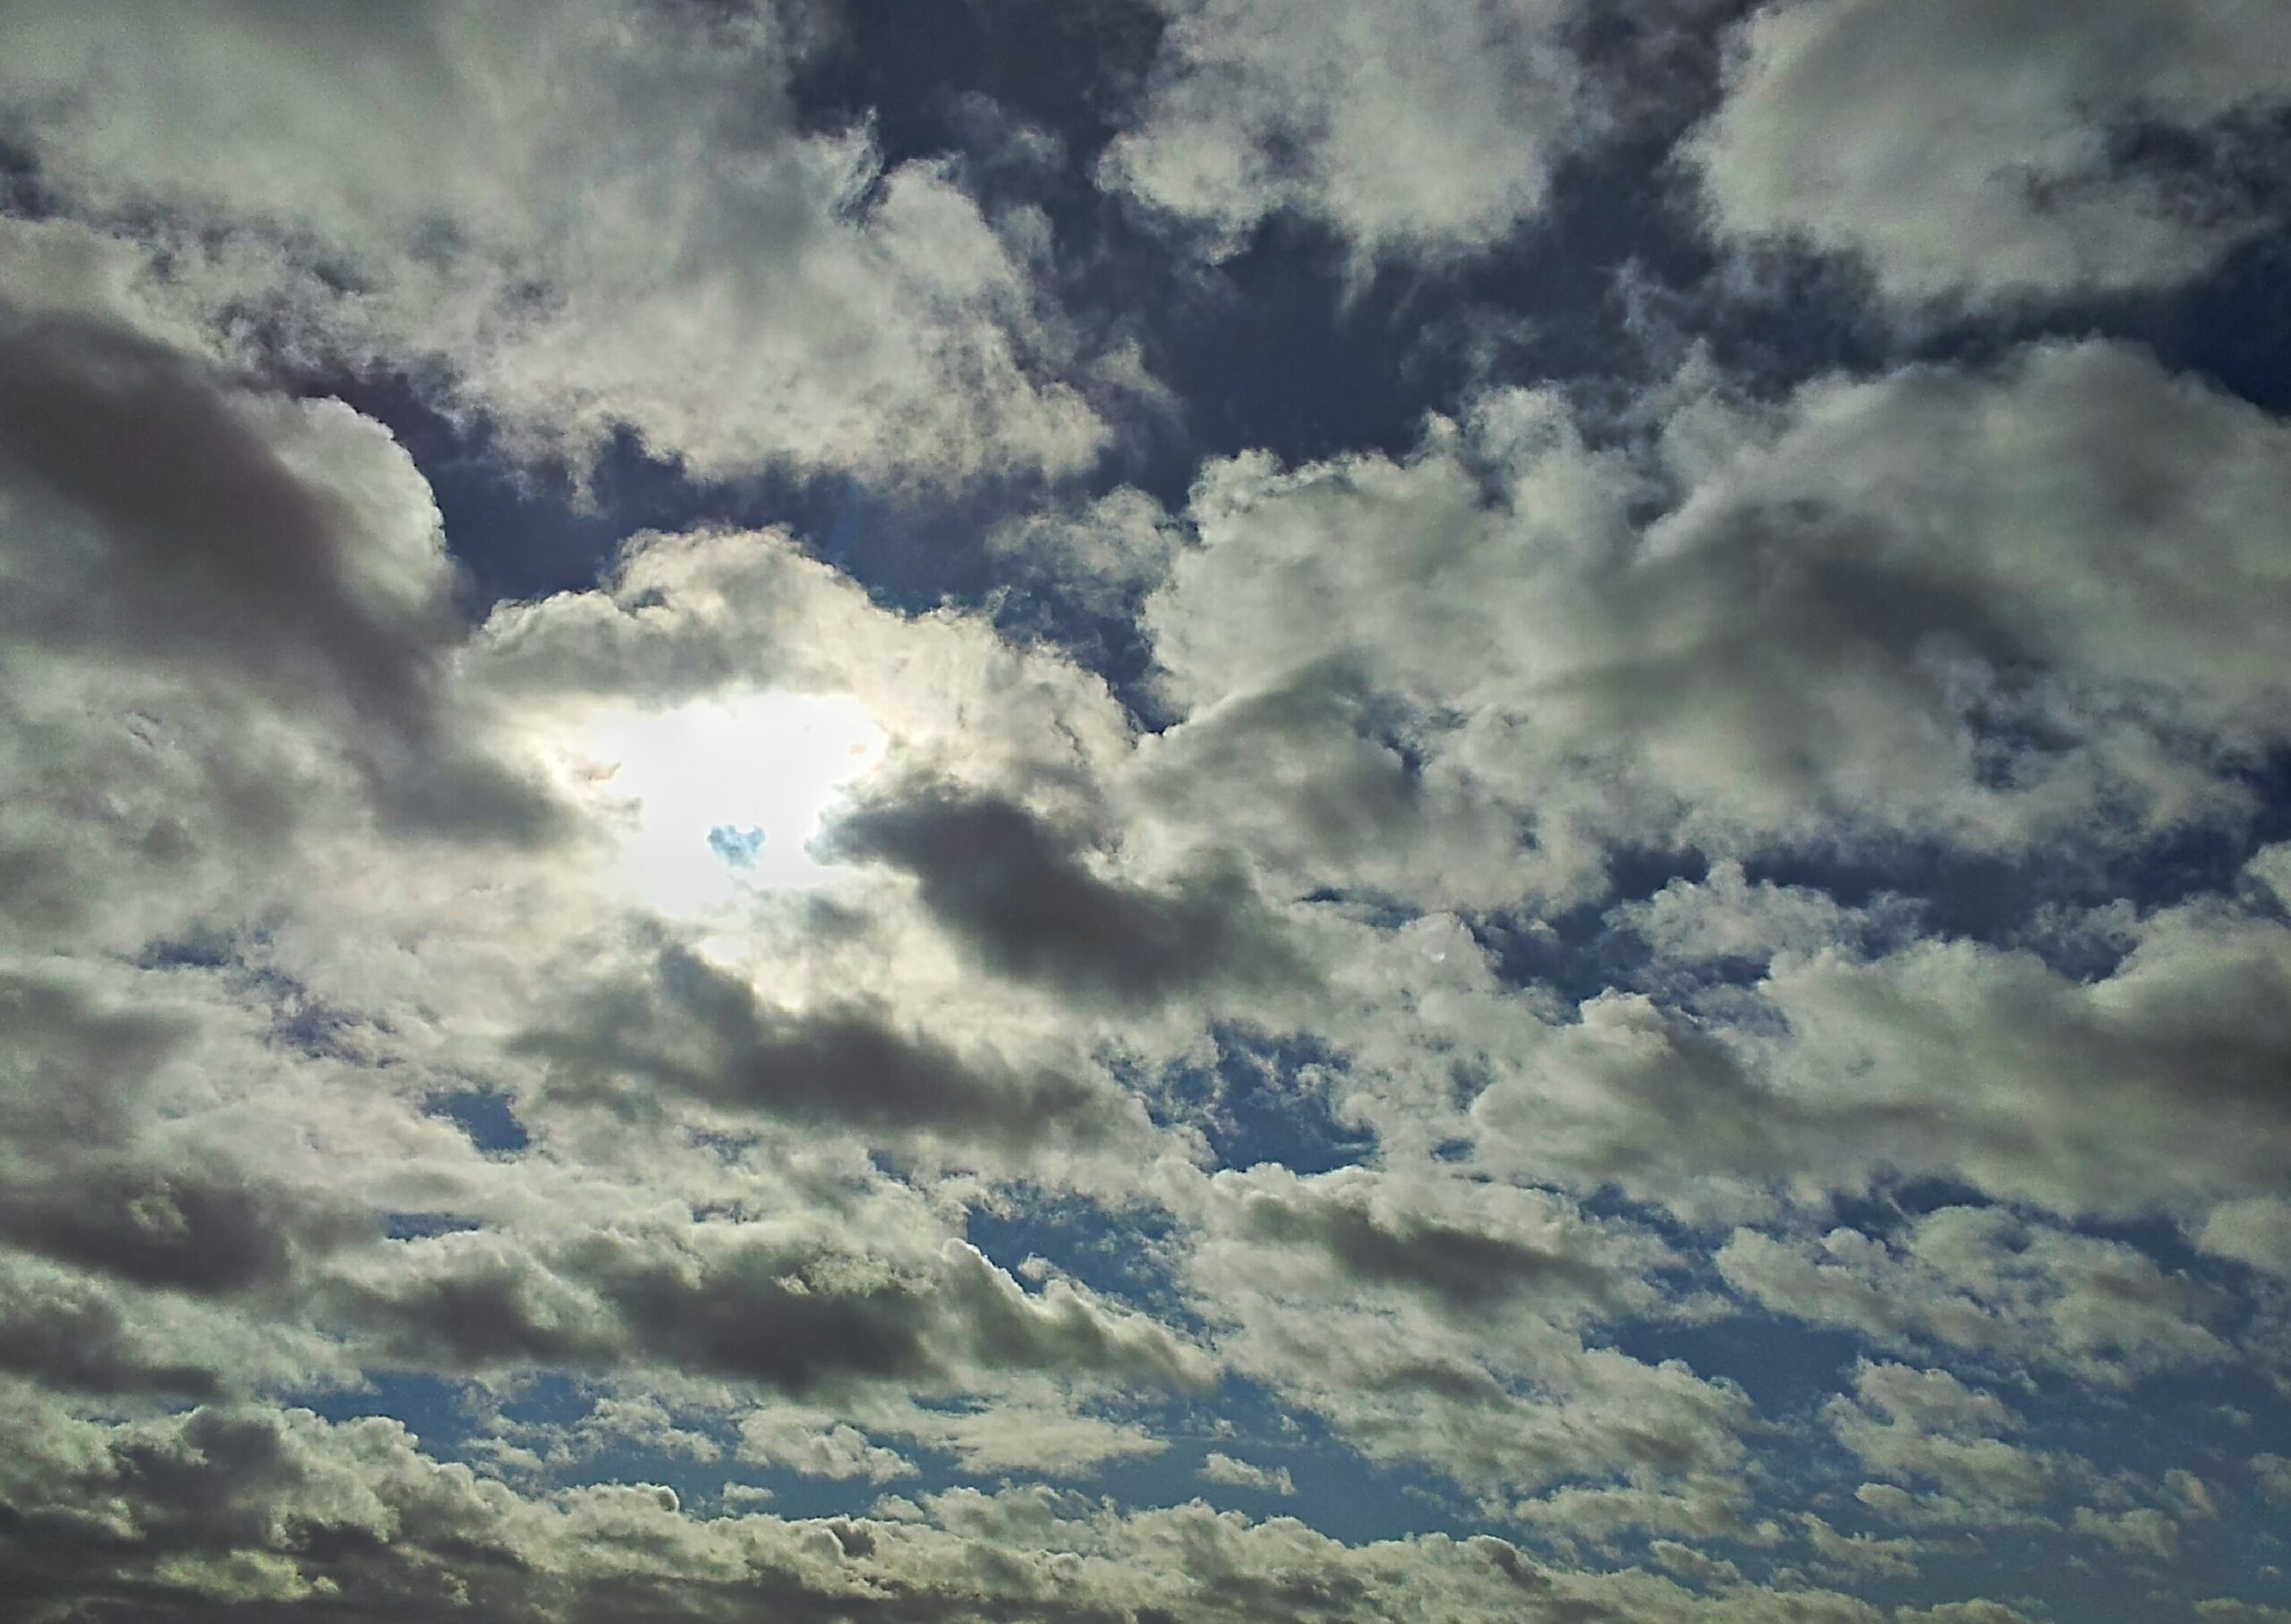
(715, 799)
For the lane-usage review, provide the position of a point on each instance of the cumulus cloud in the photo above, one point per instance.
(1979, 1064)
(227, 1509)
(682, 1025)
(1986, 152)
(1433, 133)
(1930, 1429)
(1435, 988)
(1446, 1322)
(591, 218)
(1222, 1468)
(1022, 895)
(1928, 604)
(1978, 1280)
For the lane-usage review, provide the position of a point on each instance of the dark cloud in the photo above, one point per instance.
(800, 1317)
(172, 1226)
(74, 1064)
(218, 552)
(64, 1335)
(684, 1024)
(1021, 896)
(1467, 1270)
(253, 547)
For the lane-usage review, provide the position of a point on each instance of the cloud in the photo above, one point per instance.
(174, 1226)
(1222, 1468)
(1022, 896)
(1921, 605)
(1251, 985)
(1467, 1252)
(817, 1449)
(1437, 1322)
(2274, 1474)
(1100, 560)
(682, 1025)
(2256, 1232)
(588, 218)
(213, 1511)
(220, 543)
(2149, 1086)
(1928, 1428)
(2142, 1531)
(254, 595)
(1431, 135)
(1978, 1280)
(1982, 153)
(793, 1312)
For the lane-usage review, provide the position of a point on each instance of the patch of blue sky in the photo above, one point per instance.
(1267, 1099)
(422, 1226)
(488, 1115)
(299, 1019)
(522, 530)
(1787, 1370)
(213, 950)
(1577, 954)
(735, 846)
(1337, 1489)
(1117, 1254)
(444, 1413)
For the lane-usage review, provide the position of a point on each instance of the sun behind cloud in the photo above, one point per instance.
(718, 798)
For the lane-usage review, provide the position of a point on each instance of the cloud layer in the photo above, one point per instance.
(1651, 988)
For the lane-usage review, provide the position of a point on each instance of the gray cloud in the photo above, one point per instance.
(1020, 894)
(1927, 1426)
(75, 1062)
(682, 1023)
(253, 597)
(1469, 1259)
(231, 1510)
(173, 1225)
(2158, 1084)
(219, 552)
(68, 1337)
(1442, 1321)
(795, 1314)
(1979, 1281)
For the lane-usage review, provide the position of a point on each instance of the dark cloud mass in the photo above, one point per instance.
(211, 546)
(1324, 811)
(1024, 899)
(682, 1025)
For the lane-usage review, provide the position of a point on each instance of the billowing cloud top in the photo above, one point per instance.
(1144, 812)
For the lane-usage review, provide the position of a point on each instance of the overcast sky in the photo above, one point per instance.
(1136, 812)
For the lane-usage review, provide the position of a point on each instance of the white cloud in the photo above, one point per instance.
(1926, 604)
(1928, 1427)
(1976, 1280)
(1967, 149)
(591, 217)
(1222, 1468)
(1431, 131)
(816, 1447)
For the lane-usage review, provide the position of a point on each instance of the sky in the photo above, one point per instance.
(1145, 812)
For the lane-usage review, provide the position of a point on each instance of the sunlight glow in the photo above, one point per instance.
(718, 799)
